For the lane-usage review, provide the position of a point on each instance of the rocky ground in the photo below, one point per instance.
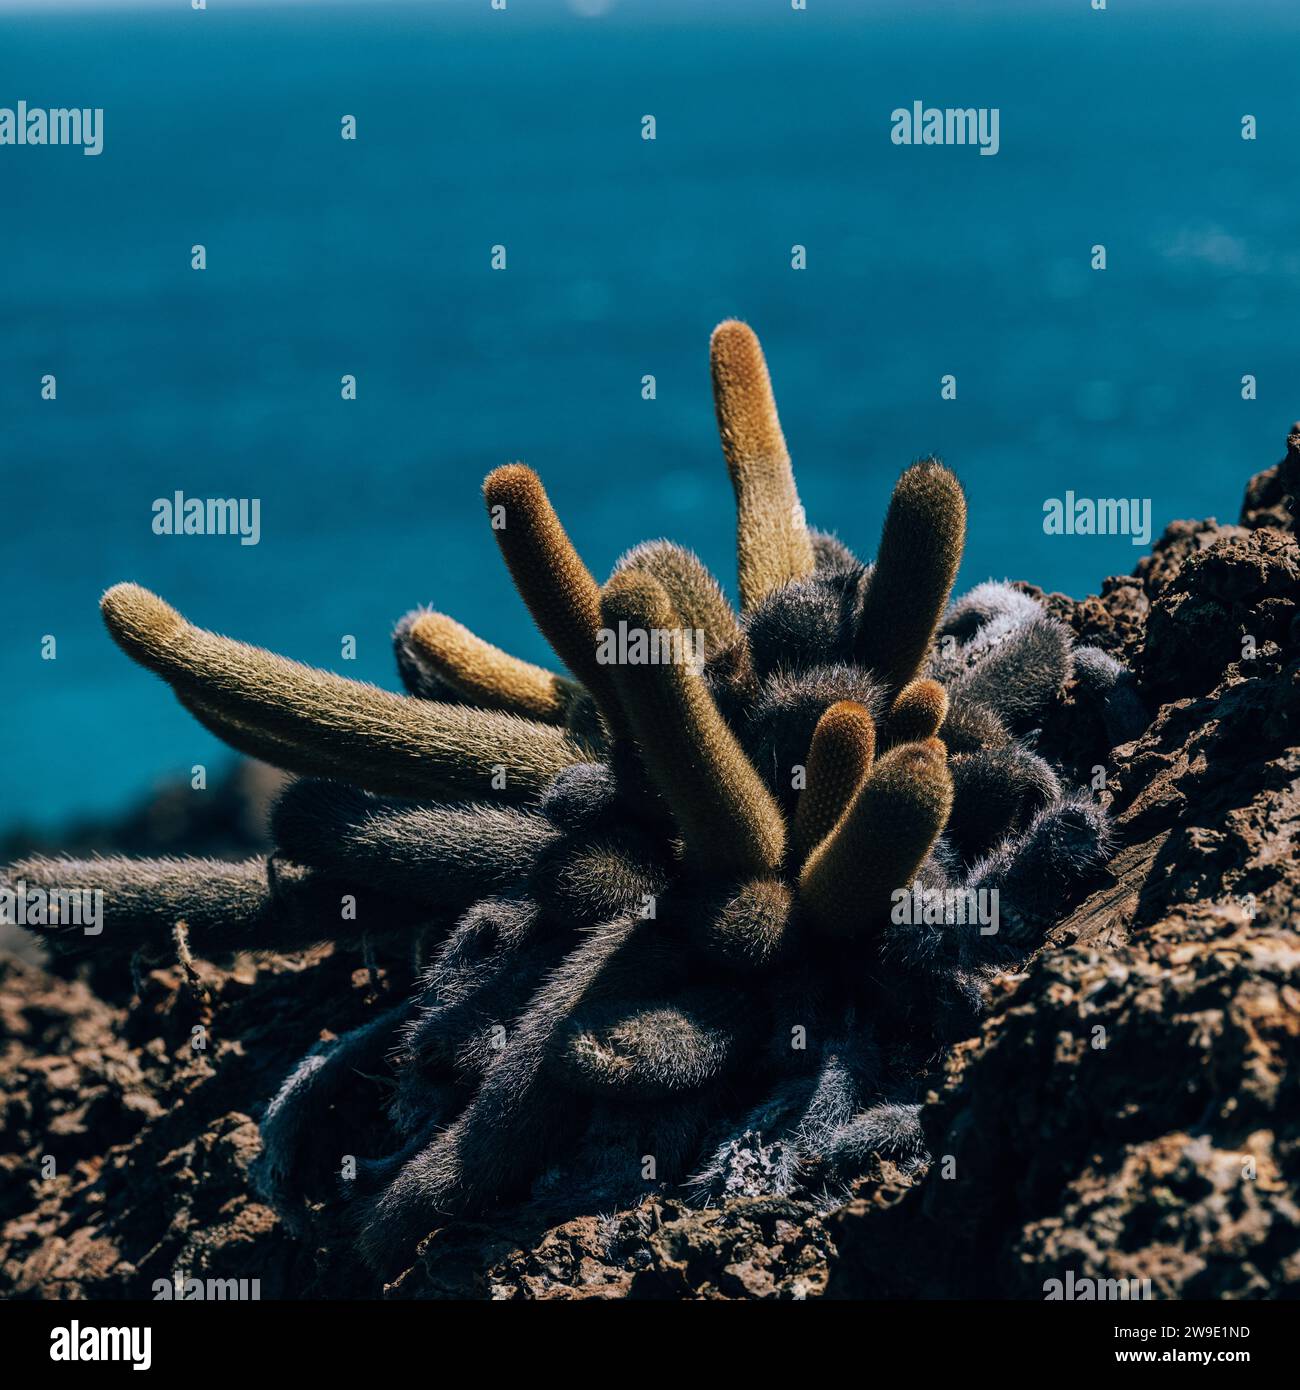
(1130, 1109)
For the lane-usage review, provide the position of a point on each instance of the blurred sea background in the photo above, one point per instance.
(523, 127)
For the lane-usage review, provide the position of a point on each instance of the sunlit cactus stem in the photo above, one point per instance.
(919, 555)
(773, 543)
(879, 842)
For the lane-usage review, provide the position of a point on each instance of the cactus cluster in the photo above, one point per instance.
(665, 901)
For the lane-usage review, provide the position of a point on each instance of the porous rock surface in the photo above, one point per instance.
(1129, 1110)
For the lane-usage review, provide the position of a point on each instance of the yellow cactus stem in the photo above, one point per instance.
(727, 817)
(694, 592)
(552, 580)
(773, 545)
(918, 711)
(302, 759)
(919, 555)
(488, 677)
(384, 742)
(839, 761)
(879, 843)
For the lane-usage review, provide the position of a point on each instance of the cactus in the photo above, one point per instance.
(662, 894)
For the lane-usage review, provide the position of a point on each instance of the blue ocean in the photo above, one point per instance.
(522, 128)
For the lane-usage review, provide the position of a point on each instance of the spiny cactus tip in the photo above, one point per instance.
(839, 759)
(747, 418)
(137, 618)
(916, 564)
(918, 711)
(880, 841)
(512, 482)
(733, 335)
(638, 599)
(847, 722)
(486, 675)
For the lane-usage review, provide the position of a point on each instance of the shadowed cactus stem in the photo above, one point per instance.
(748, 931)
(654, 1049)
(307, 759)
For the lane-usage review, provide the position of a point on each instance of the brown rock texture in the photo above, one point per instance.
(1129, 1109)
